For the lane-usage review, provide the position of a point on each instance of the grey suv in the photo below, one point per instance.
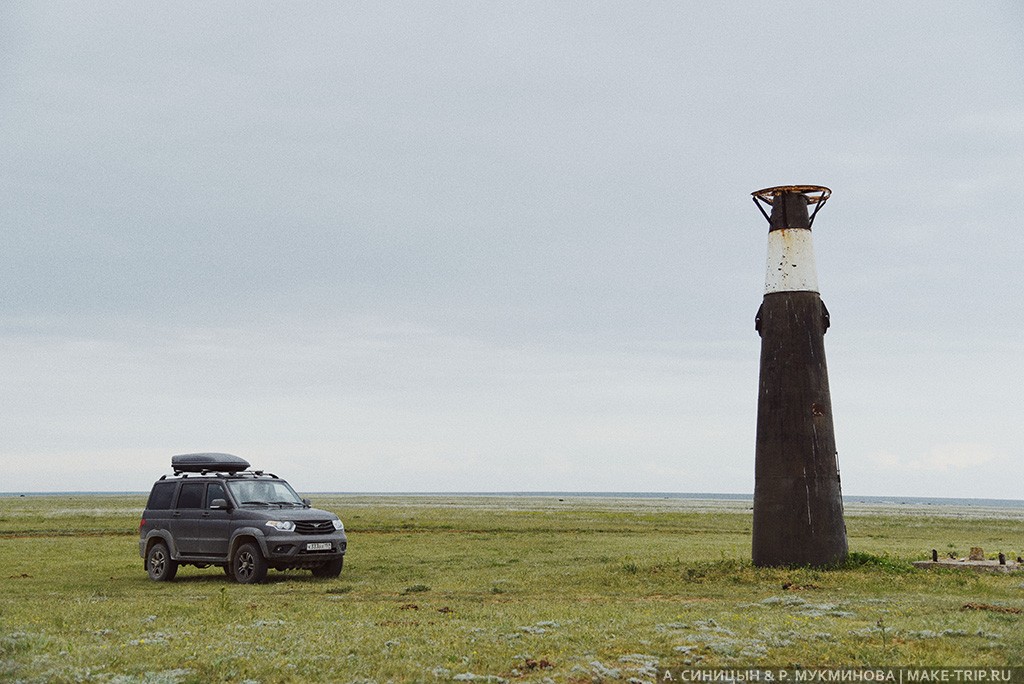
(214, 511)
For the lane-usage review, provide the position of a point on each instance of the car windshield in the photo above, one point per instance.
(264, 492)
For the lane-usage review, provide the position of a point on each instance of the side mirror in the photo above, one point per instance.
(219, 505)
(308, 503)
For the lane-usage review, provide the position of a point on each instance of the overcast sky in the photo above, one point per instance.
(502, 246)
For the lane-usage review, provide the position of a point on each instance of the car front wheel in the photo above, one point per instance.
(159, 564)
(248, 565)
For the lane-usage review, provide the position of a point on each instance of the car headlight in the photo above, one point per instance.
(338, 525)
(281, 525)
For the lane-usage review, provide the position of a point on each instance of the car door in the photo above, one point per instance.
(214, 525)
(185, 519)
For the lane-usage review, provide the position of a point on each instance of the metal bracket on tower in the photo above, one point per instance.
(815, 194)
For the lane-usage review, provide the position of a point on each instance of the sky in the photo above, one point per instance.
(462, 246)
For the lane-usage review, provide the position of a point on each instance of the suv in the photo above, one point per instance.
(214, 511)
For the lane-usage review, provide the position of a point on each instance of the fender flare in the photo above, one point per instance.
(244, 533)
(159, 535)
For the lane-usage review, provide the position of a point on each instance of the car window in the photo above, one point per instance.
(191, 495)
(263, 491)
(162, 496)
(215, 491)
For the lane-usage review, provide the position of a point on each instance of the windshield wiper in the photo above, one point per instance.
(289, 503)
(255, 503)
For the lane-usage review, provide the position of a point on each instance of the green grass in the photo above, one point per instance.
(434, 588)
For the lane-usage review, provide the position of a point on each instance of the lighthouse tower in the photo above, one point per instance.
(798, 502)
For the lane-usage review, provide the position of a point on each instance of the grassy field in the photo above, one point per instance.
(480, 589)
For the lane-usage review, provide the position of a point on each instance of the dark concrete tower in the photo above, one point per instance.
(798, 504)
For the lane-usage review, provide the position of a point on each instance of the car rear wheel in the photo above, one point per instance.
(159, 564)
(330, 568)
(248, 565)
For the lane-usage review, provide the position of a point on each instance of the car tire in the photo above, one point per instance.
(227, 570)
(248, 565)
(330, 568)
(159, 564)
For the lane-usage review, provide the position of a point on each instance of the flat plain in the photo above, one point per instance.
(529, 589)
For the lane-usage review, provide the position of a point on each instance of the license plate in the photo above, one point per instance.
(318, 546)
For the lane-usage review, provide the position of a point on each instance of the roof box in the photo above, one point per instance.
(204, 463)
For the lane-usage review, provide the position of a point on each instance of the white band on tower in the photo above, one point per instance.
(790, 265)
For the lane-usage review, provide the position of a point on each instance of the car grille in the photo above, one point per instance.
(314, 526)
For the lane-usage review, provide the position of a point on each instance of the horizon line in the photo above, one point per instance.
(534, 493)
